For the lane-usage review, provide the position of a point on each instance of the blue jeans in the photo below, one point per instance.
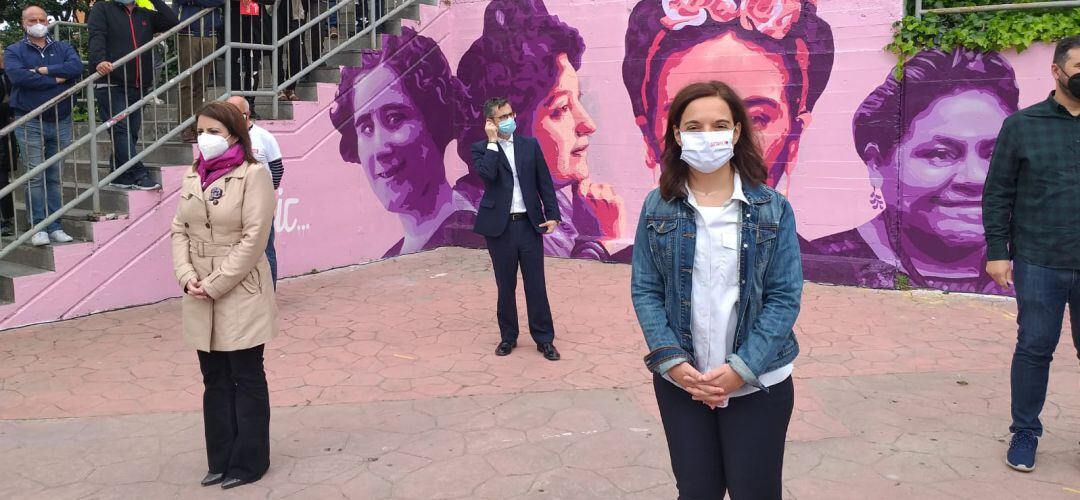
(332, 20)
(125, 133)
(38, 140)
(271, 255)
(1041, 295)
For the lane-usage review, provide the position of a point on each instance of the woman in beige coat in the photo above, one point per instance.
(219, 240)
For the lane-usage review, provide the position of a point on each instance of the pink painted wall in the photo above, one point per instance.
(329, 216)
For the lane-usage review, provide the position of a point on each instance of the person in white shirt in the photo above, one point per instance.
(266, 150)
(717, 285)
(518, 207)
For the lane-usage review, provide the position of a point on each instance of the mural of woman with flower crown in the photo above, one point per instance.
(777, 54)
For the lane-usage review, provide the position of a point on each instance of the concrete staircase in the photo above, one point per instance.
(41, 284)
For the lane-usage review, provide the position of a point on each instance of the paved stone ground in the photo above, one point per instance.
(384, 385)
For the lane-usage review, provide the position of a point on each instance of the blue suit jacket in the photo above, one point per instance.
(533, 175)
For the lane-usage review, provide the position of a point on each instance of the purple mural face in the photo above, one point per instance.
(532, 59)
(927, 144)
(563, 126)
(946, 155)
(395, 112)
(777, 54)
(761, 79)
(398, 155)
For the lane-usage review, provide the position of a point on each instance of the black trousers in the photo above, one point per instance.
(738, 450)
(236, 412)
(520, 246)
(246, 64)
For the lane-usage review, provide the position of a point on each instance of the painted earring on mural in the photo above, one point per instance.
(876, 201)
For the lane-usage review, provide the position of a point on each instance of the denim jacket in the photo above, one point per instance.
(770, 277)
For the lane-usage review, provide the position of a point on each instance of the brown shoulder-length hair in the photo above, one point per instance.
(234, 122)
(748, 161)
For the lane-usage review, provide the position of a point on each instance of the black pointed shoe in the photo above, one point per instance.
(549, 351)
(505, 348)
(233, 482)
(212, 478)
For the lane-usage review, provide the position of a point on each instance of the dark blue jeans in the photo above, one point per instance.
(1041, 295)
(125, 133)
(271, 255)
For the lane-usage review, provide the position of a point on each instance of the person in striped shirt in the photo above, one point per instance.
(265, 148)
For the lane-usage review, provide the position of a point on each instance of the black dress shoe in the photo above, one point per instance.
(505, 348)
(233, 482)
(549, 351)
(212, 478)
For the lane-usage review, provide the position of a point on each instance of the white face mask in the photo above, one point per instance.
(37, 31)
(212, 146)
(707, 152)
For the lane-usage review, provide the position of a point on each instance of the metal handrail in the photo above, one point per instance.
(161, 89)
(95, 76)
(94, 129)
(94, 189)
(278, 44)
(1059, 4)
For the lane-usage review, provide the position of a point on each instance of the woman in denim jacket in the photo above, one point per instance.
(716, 285)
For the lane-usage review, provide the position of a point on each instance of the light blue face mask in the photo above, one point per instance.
(124, 2)
(507, 126)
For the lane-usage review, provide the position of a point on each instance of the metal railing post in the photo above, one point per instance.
(228, 49)
(918, 9)
(91, 120)
(371, 22)
(274, 62)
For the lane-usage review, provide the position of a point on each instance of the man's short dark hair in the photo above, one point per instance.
(1061, 52)
(492, 104)
(26, 7)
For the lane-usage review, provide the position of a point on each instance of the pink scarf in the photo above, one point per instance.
(212, 170)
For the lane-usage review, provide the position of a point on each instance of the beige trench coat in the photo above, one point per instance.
(223, 244)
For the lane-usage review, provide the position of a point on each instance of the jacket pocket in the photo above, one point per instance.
(253, 282)
(663, 236)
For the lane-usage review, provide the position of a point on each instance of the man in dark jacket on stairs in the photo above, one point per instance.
(118, 28)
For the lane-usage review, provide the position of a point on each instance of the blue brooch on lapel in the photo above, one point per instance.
(215, 194)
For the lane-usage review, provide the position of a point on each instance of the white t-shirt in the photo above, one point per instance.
(263, 145)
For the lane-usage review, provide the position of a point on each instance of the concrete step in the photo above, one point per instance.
(77, 223)
(326, 74)
(9, 272)
(31, 257)
(79, 170)
(169, 153)
(113, 200)
(150, 129)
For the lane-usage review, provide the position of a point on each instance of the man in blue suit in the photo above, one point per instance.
(517, 208)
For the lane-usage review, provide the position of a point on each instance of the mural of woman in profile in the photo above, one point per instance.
(395, 115)
(927, 177)
(778, 54)
(532, 58)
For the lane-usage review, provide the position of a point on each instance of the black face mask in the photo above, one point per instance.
(1073, 85)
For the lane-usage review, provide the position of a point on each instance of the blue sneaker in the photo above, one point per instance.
(1022, 451)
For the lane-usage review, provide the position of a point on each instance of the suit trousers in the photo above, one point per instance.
(520, 246)
(236, 412)
(738, 450)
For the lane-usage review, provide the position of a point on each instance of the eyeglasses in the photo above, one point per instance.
(505, 117)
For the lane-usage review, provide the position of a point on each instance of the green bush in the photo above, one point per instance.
(983, 31)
